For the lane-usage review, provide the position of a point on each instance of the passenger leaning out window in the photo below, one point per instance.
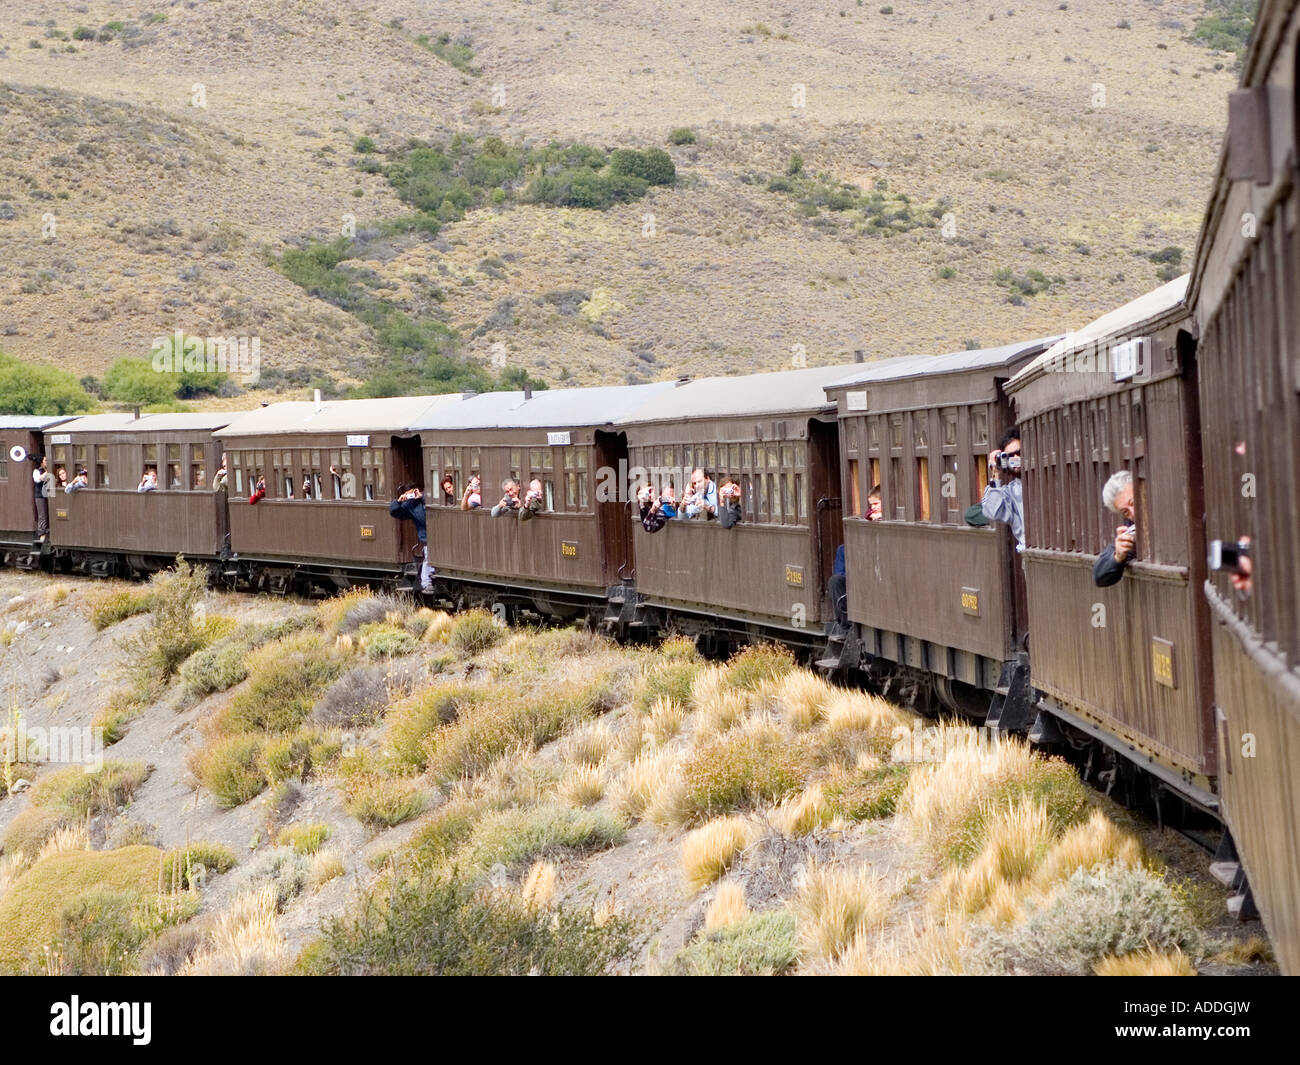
(701, 498)
(729, 504)
(534, 500)
(1118, 495)
(510, 500)
(1004, 496)
(148, 482)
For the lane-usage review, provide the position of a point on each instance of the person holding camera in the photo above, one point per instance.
(1004, 495)
(1118, 495)
(42, 490)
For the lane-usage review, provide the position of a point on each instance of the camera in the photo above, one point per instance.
(1226, 556)
(1007, 461)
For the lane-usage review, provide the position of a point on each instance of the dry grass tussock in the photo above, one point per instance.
(67, 838)
(1146, 962)
(935, 951)
(1017, 839)
(1083, 846)
(802, 697)
(326, 864)
(637, 786)
(709, 851)
(583, 785)
(801, 814)
(244, 940)
(589, 746)
(728, 906)
(665, 721)
(834, 905)
(537, 889)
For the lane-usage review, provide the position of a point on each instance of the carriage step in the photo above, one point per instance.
(827, 663)
(1225, 873)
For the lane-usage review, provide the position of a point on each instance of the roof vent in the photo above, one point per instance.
(316, 400)
(528, 392)
(857, 354)
(135, 412)
(469, 393)
(685, 379)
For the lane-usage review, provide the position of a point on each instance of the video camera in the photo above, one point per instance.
(1006, 460)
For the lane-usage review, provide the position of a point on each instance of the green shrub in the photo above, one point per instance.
(231, 768)
(218, 667)
(517, 836)
(670, 680)
(441, 925)
(287, 756)
(743, 767)
(172, 634)
(186, 867)
(109, 606)
(1112, 909)
(762, 944)
(654, 166)
(305, 839)
(474, 632)
(75, 794)
(1227, 26)
(682, 135)
(382, 802)
(758, 663)
(869, 795)
(286, 679)
(413, 721)
(448, 827)
(100, 932)
(384, 640)
(364, 146)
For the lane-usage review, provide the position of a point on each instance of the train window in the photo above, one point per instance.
(923, 489)
(921, 429)
(101, 466)
(873, 434)
(60, 455)
(761, 482)
(896, 431)
(78, 459)
(4, 461)
(979, 427)
(787, 456)
(236, 471)
(896, 489)
(787, 496)
(516, 462)
(198, 477)
(773, 499)
(773, 457)
(801, 496)
(949, 428)
(981, 467)
(151, 455)
(747, 500)
(735, 458)
(948, 491)
(174, 467)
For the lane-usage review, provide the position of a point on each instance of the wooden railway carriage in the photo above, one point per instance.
(110, 525)
(20, 436)
(775, 434)
(926, 591)
(340, 526)
(569, 555)
(1128, 663)
(1245, 294)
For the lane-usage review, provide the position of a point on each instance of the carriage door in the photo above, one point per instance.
(828, 508)
(611, 514)
(407, 466)
(1002, 418)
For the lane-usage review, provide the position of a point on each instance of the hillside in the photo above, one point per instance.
(368, 787)
(1068, 143)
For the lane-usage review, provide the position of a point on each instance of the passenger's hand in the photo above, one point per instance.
(1242, 579)
(993, 465)
(1125, 542)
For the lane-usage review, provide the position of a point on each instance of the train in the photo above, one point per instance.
(1177, 688)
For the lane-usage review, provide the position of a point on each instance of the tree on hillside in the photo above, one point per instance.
(136, 381)
(28, 389)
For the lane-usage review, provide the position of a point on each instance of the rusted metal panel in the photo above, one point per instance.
(948, 585)
(765, 571)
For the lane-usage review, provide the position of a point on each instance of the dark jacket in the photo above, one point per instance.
(1106, 571)
(413, 511)
(729, 513)
(839, 569)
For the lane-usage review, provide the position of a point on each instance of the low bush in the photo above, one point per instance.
(221, 665)
(1114, 909)
(110, 605)
(231, 768)
(474, 632)
(672, 679)
(519, 836)
(868, 794)
(187, 867)
(172, 634)
(450, 825)
(305, 839)
(75, 794)
(382, 639)
(348, 612)
(413, 721)
(682, 135)
(743, 767)
(360, 696)
(286, 678)
(30, 828)
(382, 802)
(100, 932)
(282, 868)
(709, 851)
(762, 944)
(442, 925)
(758, 663)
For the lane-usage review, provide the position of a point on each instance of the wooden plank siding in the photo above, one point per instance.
(505, 550)
(192, 524)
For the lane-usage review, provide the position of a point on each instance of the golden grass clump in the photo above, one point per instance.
(325, 866)
(679, 647)
(751, 666)
(949, 804)
(936, 951)
(1017, 839)
(67, 838)
(709, 684)
(709, 851)
(665, 720)
(582, 785)
(724, 711)
(1146, 962)
(835, 905)
(439, 627)
(538, 887)
(634, 791)
(589, 746)
(728, 906)
(1250, 951)
(800, 814)
(244, 940)
(1091, 843)
(802, 696)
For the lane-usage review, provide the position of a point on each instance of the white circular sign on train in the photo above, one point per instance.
(17, 453)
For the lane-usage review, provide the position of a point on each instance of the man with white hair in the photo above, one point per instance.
(1117, 495)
